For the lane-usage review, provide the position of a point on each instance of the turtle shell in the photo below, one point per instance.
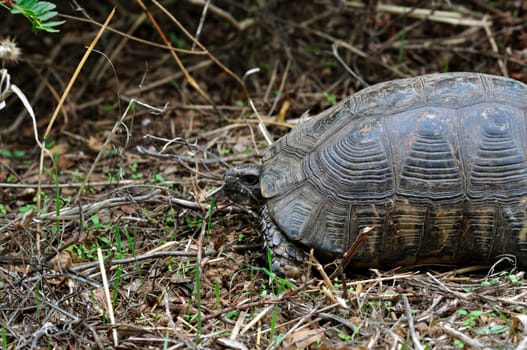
(434, 165)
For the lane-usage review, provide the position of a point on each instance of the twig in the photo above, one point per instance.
(236, 330)
(494, 47)
(389, 278)
(281, 89)
(135, 259)
(261, 125)
(523, 344)
(411, 327)
(131, 37)
(359, 241)
(167, 79)
(448, 290)
(90, 208)
(69, 185)
(256, 319)
(109, 305)
(206, 6)
(204, 161)
(346, 323)
(239, 25)
(449, 17)
(357, 51)
(334, 48)
(464, 338)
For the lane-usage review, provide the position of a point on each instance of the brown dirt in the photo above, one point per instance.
(162, 238)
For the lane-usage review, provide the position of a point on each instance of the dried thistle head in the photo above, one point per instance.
(9, 51)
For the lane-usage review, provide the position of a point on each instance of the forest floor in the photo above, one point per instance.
(128, 245)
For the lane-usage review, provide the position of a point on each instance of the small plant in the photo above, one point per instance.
(193, 222)
(170, 217)
(459, 344)
(177, 42)
(38, 300)
(513, 278)
(116, 283)
(491, 282)
(472, 317)
(120, 249)
(131, 239)
(37, 12)
(330, 64)
(112, 177)
(344, 336)
(446, 63)
(135, 175)
(26, 208)
(80, 251)
(4, 338)
(274, 278)
(225, 152)
(156, 315)
(330, 98)
(12, 154)
(402, 42)
(231, 315)
(313, 48)
(282, 285)
(97, 224)
(217, 293)
(158, 178)
(274, 318)
(197, 295)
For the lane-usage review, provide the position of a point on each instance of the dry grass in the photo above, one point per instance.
(129, 250)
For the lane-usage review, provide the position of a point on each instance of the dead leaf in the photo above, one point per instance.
(95, 143)
(231, 343)
(61, 261)
(303, 338)
(59, 148)
(65, 163)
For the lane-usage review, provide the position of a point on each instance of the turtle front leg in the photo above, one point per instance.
(287, 259)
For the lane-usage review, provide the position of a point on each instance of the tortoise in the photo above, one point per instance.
(435, 167)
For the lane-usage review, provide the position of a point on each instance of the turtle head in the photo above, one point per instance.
(242, 184)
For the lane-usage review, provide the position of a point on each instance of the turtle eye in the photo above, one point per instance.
(250, 179)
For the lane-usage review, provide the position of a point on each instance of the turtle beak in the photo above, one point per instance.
(237, 187)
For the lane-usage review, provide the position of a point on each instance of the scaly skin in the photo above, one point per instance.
(242, 186)
(287, 259)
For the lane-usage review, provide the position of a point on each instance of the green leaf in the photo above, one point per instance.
(106, 241)
(43, 7)
(495, 329)
(459, 344)
(45, 16)
(38, 13)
